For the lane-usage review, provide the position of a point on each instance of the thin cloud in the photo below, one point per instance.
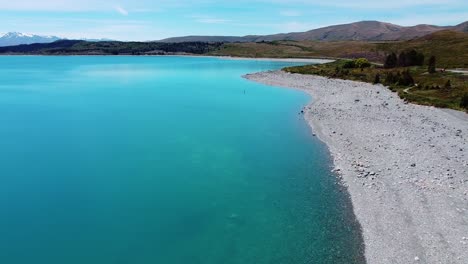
(213, 21)
(295, 27)
(443, 19)
(369, 4)
(121, 10)
(210, 20)
(290, 13)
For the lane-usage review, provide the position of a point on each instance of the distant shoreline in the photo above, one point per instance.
(305, 60)
(404, 165)
(311, 60)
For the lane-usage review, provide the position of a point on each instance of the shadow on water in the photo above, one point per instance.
(354, 227)
(339, 225)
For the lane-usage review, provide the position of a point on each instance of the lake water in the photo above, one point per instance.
(162, 160)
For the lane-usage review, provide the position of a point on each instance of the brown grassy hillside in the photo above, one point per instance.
(450, 48)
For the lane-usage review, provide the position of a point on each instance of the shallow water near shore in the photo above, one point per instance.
(163, 160)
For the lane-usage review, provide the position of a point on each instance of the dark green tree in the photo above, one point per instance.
(391, 61)
(432, 65)
(414, 58)
(464, 101)
(402, 60)
(419, 59)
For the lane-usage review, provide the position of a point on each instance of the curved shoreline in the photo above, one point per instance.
(405, 166)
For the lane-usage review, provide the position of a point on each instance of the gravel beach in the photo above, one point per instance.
(405, 166)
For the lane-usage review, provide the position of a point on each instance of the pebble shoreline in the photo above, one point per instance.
(404, 165)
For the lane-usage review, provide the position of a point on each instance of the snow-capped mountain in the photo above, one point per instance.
(96, 40)
(17, 38)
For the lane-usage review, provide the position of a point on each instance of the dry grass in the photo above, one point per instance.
(429, 89)
(450, 49)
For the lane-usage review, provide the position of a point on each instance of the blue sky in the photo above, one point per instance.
(157, 19)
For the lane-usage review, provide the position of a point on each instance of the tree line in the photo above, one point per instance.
(111, 47)
(409, 58)
(404, 59)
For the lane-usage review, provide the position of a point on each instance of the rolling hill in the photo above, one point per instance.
(362, 31)
(450, 48)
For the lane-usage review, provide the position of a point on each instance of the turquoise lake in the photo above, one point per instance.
(164, 160)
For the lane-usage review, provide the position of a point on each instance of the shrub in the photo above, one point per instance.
(362, 63)
(406, 79)
(349, 64)
(397, 77)
(377, 78)
(390, 78)
(448, 85)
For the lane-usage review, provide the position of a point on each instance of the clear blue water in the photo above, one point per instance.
(162, 160)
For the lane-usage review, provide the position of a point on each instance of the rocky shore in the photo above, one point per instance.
(405, 166)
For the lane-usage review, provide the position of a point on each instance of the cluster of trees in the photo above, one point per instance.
(141, 48)
(400, 78)
(404, 59)
(190, 47)
(360, 63)
(409, 58)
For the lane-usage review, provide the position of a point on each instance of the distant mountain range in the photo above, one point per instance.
(16, 38)
(364, 31)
